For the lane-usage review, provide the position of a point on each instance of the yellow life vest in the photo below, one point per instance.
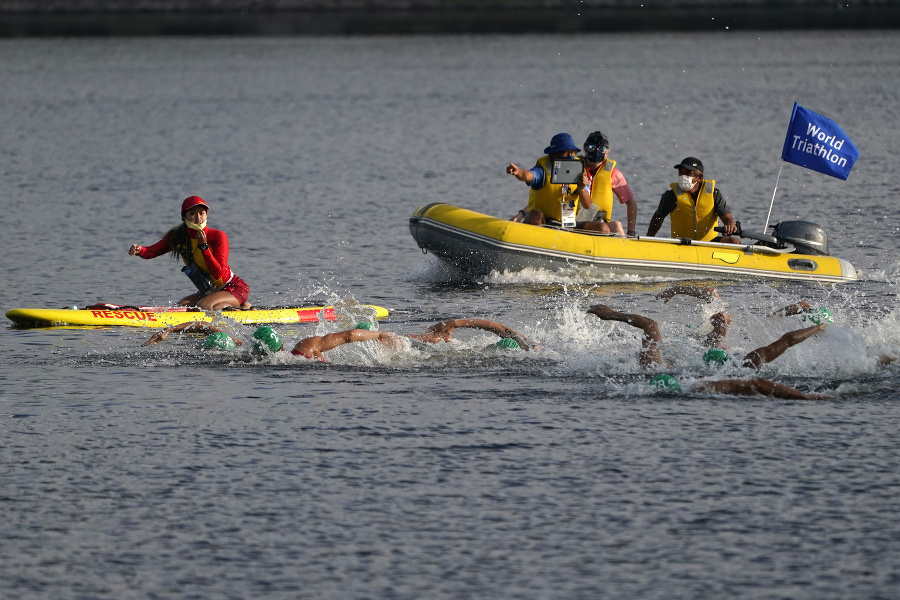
(549, 197)
(601, 188)
(694, 221)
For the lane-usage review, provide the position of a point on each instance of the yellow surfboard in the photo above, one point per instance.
(147, 316)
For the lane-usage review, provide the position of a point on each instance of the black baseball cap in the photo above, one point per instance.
(691, 164)
(598, 139)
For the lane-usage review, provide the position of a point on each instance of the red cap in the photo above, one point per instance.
(190, 202)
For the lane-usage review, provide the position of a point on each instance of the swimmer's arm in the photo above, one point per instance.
(190, 327)
(752, 387)
(703, 293)
(440, 332)
(498, 328)
(886, 358)
(314, 347)
(792, 309)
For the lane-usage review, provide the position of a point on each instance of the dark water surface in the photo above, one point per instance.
(459, 471)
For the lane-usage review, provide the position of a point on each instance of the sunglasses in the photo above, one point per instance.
(592, 147)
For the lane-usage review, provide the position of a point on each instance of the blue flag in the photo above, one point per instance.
(818, 143)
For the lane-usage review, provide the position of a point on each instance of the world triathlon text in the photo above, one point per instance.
(823, 149)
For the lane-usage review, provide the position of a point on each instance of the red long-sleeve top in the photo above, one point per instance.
(213, 260)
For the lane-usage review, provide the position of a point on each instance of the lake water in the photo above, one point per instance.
(459, 471)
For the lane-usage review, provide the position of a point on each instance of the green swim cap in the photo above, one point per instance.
(265, 337)
(218, 341)
(818, 315)
(665, 382)
(716, 355)
(508, 343)
(363, 325)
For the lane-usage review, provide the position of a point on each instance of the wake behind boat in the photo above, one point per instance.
(479, 244)
(106, 315)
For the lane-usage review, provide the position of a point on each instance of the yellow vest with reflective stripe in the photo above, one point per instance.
(549, 197)
(694, 221)
(601, 188)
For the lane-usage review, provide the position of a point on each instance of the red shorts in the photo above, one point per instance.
(238, 288)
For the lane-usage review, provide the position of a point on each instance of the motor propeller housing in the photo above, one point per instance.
(808, 238)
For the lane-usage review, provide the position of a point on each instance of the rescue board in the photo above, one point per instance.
(107, 315)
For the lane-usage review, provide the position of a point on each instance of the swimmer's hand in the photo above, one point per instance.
(792, 309)
(439, 332)
(157, 338)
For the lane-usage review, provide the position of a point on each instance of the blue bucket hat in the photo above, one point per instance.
(560, 143)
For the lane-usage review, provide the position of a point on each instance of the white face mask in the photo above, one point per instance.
(685, 182)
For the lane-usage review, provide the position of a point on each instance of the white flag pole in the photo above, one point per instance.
(772, 203)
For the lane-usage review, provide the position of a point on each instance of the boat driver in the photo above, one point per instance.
(695, 205)
(545, 198)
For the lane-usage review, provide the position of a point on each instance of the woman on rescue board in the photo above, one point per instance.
(205, 255)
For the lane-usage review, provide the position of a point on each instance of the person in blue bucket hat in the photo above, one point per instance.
(545, 198)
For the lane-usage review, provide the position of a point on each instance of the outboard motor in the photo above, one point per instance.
(806, 237)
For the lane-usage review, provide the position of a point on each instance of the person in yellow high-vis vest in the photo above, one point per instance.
(545, 198)
(601, 180)
(695, 205)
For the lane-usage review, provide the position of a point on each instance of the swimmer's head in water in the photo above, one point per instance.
(218, 341)
(716, 355)
(818, 315)
(665, 382)
(364, 325)
(508, 343)
(265, 339)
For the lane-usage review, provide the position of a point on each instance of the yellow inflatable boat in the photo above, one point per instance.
(480, 244)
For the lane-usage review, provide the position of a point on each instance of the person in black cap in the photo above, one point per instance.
(545, 198)
(695, 205)
(600, 180)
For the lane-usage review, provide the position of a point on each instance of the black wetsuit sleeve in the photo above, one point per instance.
(667, 203)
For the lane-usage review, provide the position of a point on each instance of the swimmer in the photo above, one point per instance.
(314, 347)
(650, 354)
(652, 339)
(738, 387)
(191, 327)
(264, 338)
(721, 320)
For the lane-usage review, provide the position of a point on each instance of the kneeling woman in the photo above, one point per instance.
(205, 255)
